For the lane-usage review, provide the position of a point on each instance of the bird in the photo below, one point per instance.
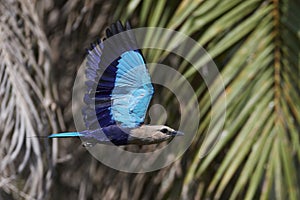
(116, 103)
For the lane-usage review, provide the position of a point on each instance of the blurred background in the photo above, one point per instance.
(255, 45)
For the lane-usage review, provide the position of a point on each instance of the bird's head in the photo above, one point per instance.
(151, 134)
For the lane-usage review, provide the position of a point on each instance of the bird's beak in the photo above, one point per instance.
(177, 133)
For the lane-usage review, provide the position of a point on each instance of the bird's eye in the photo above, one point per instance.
(164, 130)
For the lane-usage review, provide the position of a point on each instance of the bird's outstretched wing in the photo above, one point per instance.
(122, 94)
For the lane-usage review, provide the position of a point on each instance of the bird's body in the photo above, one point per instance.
(117, 102)
(144, 134)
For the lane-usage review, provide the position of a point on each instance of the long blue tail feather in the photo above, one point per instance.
(62, 135)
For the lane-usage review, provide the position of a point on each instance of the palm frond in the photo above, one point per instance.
(26, 101)
(256, 46)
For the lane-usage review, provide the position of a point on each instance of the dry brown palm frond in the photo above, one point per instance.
(27, 108)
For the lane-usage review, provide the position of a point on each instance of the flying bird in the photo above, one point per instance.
(117, 102)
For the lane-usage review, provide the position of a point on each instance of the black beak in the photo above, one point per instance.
(177, 133)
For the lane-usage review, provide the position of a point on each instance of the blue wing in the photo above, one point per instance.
(133, 90)
(124, 90)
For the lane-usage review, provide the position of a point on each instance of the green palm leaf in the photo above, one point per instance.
(256, 46)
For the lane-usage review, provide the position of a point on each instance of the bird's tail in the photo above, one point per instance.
(65, 135)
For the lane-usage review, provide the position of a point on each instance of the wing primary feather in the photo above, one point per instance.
(114, 29)
(120, 27)
(127, 25)
(92, 46)
(108, 33)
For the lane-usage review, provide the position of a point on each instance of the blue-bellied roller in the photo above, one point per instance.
(117, 102)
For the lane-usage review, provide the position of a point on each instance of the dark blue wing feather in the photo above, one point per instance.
(98, 92)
